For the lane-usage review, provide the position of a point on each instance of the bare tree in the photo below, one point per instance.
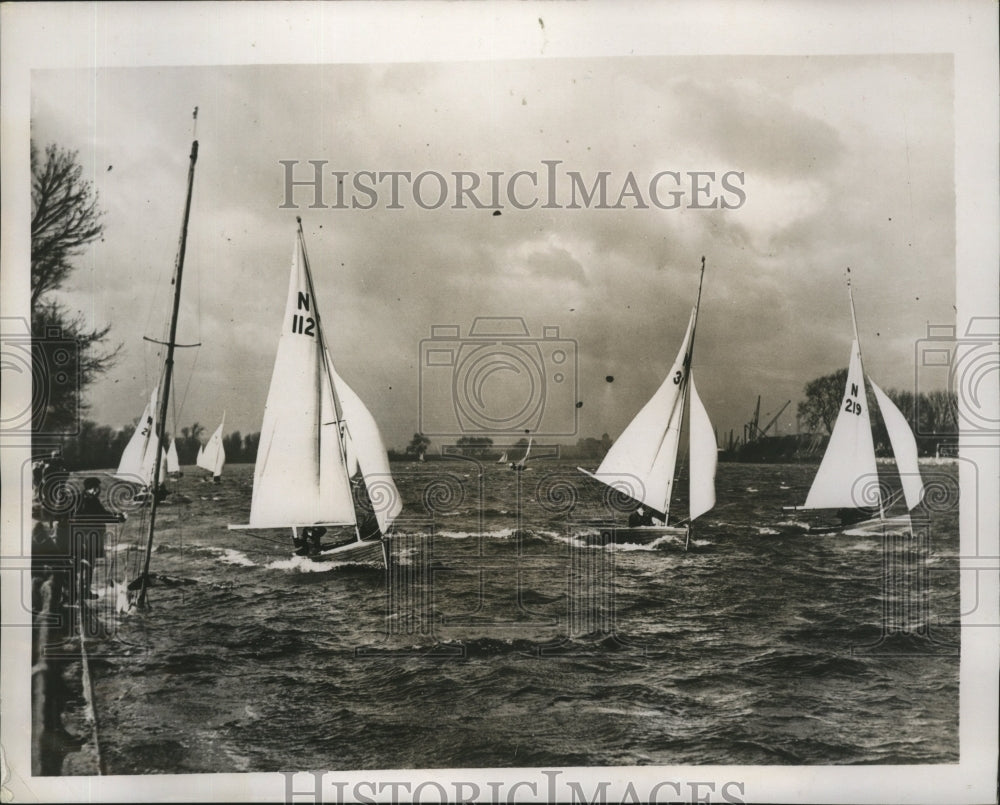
(64, 218)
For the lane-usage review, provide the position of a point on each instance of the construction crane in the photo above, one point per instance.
(761, 432)
(752, 431)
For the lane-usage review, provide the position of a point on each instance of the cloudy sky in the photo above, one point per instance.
(845, 161)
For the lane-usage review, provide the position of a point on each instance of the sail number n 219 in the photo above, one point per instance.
(303, 325)
(851, 405)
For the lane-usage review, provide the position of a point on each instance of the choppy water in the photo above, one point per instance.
(502, 640)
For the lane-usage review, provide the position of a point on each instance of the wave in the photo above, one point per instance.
(502, 534)
(233, 557)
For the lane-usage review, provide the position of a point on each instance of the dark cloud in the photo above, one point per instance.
(830, 149)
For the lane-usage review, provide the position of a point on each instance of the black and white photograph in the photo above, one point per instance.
(481, 402)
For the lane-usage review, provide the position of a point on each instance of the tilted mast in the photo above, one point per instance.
(168, 373)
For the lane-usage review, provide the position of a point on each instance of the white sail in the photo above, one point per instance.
(704, 456)
(850, 453)
(300, 477)
(201, 455)
(503, 458)
(369, 452)
(139, 455)
(904, 447)
(173, 463)
(213, 456)
(524, 458)
(641, 462)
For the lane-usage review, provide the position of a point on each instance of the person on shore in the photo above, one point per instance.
(49, 560)
(89, 527)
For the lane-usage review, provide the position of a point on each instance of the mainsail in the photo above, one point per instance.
(642, 461)
(301, 475)
(850, 453)
(212, 456)
(317, 433)
(139, 455)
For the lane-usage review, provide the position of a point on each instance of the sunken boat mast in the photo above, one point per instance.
(168, 368)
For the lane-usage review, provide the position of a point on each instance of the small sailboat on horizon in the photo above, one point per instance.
(519, 465)
(642, 461)
(212, 455)
(172, 461)
(847, 479)
(319, 444)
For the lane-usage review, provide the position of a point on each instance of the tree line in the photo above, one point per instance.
(66, 218)
(931, 415)
(96, 446)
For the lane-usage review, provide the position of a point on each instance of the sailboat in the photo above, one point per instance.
(642, 461)
(318, 440)
(503, 458)
(518, 466)
(139, 455)
(212, 456)
(847, 478)
(173, 464)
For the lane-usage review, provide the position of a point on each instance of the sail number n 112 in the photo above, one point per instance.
(303, 325)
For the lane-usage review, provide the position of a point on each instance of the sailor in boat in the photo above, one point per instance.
(308, 543)
(88, 530)
(849, 517)
(640, 517)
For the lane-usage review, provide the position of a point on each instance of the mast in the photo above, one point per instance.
(861, 363)
(687, 381)
(338, 411)
(168, 371)
(681, 398)
(697, 307)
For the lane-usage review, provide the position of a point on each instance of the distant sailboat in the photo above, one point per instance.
(316, 437)
(212, 456)
(139, 456)
(520, 464)
(503, 458)
(847, 479)
(641, 462)
(173, 464)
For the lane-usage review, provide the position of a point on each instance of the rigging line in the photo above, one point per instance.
(178, 407)
(262, 538)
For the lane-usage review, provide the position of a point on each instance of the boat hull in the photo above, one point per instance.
(354, 551)
(637, 535)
